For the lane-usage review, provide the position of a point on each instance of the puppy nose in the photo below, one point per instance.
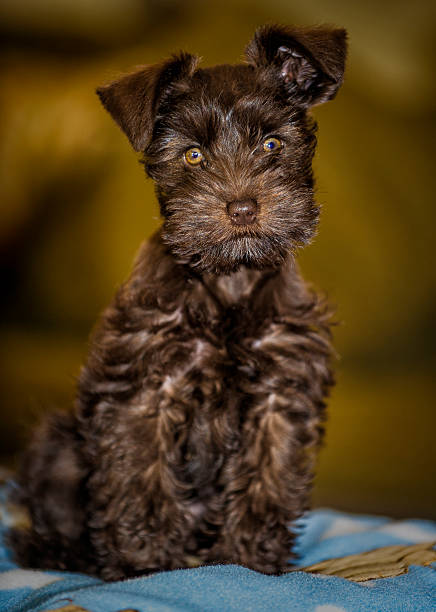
(242, 212)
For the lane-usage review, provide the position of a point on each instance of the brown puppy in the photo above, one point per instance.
(201, 406)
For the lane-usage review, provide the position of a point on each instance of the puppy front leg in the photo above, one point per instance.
(154, 456)
(267, 488)
(140, 518)
(268, 481)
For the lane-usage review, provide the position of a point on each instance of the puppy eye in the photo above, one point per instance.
(193, 156)
(272, 144)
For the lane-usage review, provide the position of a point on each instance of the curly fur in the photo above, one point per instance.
(201, 406)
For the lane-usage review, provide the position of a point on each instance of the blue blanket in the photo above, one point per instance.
(323, 534)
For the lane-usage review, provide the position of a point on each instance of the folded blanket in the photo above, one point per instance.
(402, 550)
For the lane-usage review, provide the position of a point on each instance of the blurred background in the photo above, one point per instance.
(75, 206)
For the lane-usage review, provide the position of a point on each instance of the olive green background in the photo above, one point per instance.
(75, 206)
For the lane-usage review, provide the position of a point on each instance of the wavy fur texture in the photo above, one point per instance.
(201, 405)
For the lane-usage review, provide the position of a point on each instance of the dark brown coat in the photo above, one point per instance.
(201, 405)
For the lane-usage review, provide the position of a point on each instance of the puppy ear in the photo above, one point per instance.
(309, 62)
(133, 99)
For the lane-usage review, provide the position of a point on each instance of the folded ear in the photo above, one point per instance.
(133, 99)
(309, 62)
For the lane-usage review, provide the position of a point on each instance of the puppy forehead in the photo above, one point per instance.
(216, 101)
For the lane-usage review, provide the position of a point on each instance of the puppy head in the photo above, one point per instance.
(230, 147)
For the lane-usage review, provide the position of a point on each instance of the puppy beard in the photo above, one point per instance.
(209, 243)
(228, 255)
